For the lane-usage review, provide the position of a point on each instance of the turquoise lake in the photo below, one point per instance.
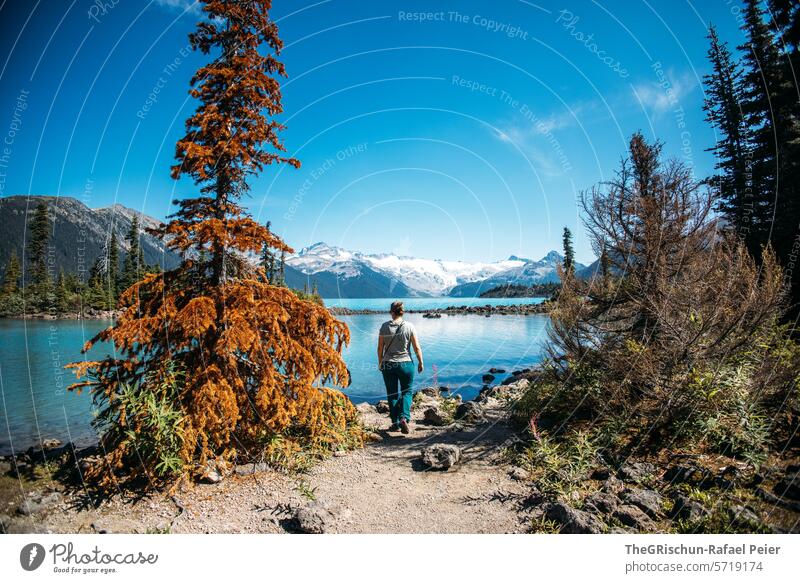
(458, 350)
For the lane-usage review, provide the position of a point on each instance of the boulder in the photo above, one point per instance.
(38, 502)
(51, 443)
(603, 502)
(518, 474)
(488, 378)
(471, 412)
(613, 485)
(636, 471)
(688, 474)
(649, 501)
(441, 456)
(430, 391)
(633, 516)
(684, 508)
(435, 416)
(742, 516)
(365, 408)
(497, 370)
(5, 467)
(573, 521)
(213, 472)
(313, 518)
(382, 407)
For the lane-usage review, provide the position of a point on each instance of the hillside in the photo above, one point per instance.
(79, 234)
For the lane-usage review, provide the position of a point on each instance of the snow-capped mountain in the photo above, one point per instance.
(391, 274)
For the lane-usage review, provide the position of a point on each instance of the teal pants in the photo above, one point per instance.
(402, 374)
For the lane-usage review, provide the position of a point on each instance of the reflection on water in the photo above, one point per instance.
(35, 403)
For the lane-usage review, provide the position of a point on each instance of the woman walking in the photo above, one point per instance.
(394, 361)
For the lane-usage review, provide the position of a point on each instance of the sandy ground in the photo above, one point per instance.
(379, 489)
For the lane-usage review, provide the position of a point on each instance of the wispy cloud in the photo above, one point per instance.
(536, 136)
(182, 5)
(666, 93)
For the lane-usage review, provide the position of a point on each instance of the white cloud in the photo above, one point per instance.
(664, 95)
(182, 5)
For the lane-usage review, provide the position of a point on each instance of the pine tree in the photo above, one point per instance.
(766, 113)
(230, 360)
(569, 253)
(112, 274)
(11, 275)
(37, 249)
(132, 268)
(61, 293)
(723, 107)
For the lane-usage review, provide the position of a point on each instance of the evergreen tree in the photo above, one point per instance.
(723, 107)
(766, 112)
(133, 264)
(37, 249)
(569, 253)
(61, 294)
(227, 360)
(112, 274)
(11, 275)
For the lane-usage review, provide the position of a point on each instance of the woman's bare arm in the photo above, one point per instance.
(418, 351)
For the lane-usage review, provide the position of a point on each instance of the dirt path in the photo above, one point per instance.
(379, 489)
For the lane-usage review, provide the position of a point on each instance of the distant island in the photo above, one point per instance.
(513, 290)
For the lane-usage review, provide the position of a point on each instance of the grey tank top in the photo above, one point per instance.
(396, 340)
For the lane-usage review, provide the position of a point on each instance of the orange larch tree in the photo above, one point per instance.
(213, 362)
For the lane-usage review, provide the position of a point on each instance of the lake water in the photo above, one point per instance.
(458, 350)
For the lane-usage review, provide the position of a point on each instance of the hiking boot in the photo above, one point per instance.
(404, 426)
(394, 427)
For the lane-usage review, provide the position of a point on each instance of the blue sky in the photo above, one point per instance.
(453, 130)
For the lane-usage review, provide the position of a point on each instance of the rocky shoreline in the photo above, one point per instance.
(453, 473)
(485, 310)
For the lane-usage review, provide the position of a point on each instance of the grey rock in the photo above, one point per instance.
(488, 378)
(37, 503)
(636, 471)
(213, 472)
(573, 521)
(519, 474)
(604, 502)
(51, 443)
(649, 501)
(434, 416)
(742, 516)
(684, 508)
(469, 412)
(5, 467)
(313, 518)
(250, 469)
(441, 456)
(497, 370)
(613, 485)
(5, 521)
(365, 408)
(633, 516)
(382, 407)
(619, 530)
(430, 391)
(688, 474)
